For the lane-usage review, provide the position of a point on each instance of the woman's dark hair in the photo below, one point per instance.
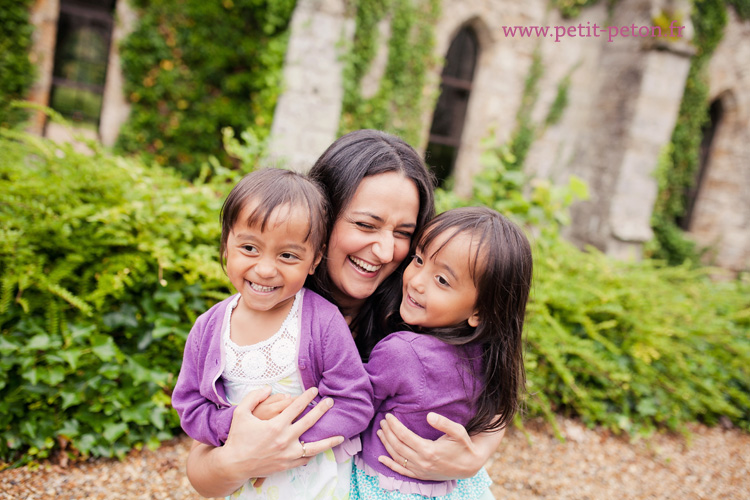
(339, 171)
(271, 188)
(501, 268)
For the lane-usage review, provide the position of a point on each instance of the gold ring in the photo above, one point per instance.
(304, 451)
(405, 461)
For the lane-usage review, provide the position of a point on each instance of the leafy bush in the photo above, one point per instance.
(105, 264)
(16, 71)
(628, 345)
(193, 67)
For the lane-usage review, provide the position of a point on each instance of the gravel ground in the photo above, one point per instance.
(711, 463)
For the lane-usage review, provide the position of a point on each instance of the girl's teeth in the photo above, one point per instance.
(364, 265)
(259, 288)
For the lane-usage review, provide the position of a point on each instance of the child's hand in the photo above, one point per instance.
(272, 406)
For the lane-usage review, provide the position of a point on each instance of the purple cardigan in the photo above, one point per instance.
(413, 374)
(327, 359)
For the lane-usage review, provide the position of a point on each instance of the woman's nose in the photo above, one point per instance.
(384, 247)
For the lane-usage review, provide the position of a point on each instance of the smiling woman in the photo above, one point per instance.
(372, 238)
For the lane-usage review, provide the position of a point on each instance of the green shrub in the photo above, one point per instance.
(194, 67)
(16, 71)
(105, 264)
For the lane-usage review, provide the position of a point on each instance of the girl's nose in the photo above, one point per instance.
(384, 246)
(265, 269)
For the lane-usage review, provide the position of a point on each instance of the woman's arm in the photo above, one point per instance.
(455, 455)
(257, 448)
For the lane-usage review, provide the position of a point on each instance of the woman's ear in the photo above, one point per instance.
(474, 319)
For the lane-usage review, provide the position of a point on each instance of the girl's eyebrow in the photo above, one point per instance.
(380, 219)
(448, 268)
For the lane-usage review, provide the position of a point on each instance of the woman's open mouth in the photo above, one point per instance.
(363, 266)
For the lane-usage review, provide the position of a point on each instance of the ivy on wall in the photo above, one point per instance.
(193, 68)
(398, 105)
(16, 71)
(676, 173)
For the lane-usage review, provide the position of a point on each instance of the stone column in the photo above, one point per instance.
(307, 114)
(44, 15)
(115, 106)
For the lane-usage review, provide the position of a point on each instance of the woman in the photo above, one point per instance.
(381, 195)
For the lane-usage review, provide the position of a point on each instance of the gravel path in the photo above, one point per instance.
(711, 463)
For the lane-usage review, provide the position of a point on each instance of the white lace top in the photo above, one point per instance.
(250, 367)
(274, 362)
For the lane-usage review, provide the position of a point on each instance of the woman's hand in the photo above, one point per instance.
(255, 447)
(455, 455)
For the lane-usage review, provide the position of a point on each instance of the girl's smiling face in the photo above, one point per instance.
(268, 267)
(371, 237)
(438, 289)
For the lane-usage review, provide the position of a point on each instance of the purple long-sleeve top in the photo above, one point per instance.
(327, 359)
(413, 374)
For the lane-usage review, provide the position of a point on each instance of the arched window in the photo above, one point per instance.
(455, 87)
(84, 31)
(715, 114)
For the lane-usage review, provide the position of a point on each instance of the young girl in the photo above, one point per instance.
(274, 332)
(464, 294)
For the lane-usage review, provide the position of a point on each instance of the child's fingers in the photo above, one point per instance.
(253, 399)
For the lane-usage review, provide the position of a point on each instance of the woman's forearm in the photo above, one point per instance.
(486, 443)
(209, 473)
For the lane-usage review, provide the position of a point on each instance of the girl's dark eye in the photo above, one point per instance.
(442, 281)
(288, 256)
(417, 259)
(249, 248)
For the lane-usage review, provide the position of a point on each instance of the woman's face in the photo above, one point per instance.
(371, 237)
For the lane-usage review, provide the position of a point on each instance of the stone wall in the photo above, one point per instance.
(721, 218)
(307, 114)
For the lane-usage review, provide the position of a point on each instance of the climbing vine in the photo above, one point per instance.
(193, 68)
(16, 71)
(398, 104)
(676, 172)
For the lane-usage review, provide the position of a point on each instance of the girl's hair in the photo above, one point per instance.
(339, 171)
(500, 266)
(271, 188)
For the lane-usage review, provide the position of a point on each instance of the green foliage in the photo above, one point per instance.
(632, 346)
(105, 265)
(742, 7)
(676, 174)
(398, 105)
(16, 71)
(193, 68)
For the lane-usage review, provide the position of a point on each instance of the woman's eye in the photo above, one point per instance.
(364, 225)
(403, 234)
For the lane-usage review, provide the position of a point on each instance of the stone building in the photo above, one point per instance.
(623, 97)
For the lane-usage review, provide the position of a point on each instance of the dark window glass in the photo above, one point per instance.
(450, 112)
(84, 31)
(715, 114)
